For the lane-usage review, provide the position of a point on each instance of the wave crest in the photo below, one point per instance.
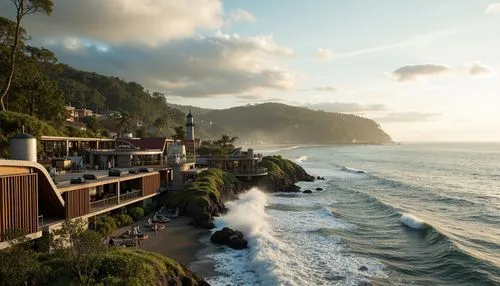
(412, 221)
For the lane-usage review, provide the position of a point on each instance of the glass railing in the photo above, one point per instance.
(250, 172)
(130, 195)
(104, 203)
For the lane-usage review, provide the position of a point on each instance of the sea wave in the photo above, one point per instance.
(301, 159)
(352, 170)
(412, 221)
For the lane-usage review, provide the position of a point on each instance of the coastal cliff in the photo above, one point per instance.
(204, 198)
(282, 176)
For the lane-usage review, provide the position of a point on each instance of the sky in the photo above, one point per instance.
(425, 70)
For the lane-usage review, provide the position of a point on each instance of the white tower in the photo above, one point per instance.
(189, 126)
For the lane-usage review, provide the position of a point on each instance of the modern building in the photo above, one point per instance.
(82, 112)
(244, 164)
(31, 201)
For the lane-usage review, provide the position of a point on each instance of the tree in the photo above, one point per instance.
(23, 8)
(180, 133)
(124, 120)
(20, 265)
(80, 248)
(226, 141)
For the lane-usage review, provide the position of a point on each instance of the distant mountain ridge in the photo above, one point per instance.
(280, 123)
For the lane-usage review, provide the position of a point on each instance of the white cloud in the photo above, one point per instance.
(478, 69)
(240, 15)
(413, 72)
(219, 65)
(327, 88)
(126, 21)
(493, 8)
(324, 54)
(346, 107)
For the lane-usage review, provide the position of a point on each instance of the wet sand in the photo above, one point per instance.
(179, 241)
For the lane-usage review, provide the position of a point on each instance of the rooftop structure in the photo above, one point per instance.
(241, 163)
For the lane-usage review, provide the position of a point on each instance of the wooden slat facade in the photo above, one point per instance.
(77, 203)
(151, 184)
(18, 203)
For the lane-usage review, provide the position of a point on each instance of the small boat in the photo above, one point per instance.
(160, 227)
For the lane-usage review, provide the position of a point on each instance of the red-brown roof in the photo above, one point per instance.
(148, 143)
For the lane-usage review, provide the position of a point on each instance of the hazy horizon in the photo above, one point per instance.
(424, 70)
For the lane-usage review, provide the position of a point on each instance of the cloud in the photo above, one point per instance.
(240, 15)
(493, 8)
(405, 117)
(413, 72)
(324, 54)
(218, 65)
(416, 40)
(346, 107)
(327, 88)
(478, 69)
(125, 21)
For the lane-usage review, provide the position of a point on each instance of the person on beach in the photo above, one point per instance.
(136, 241)
(156, 228)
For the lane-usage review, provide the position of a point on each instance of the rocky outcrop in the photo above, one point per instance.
(232, 238)
(282, 176)
(204, 198)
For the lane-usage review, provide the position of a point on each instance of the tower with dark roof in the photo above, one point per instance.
(190, 126)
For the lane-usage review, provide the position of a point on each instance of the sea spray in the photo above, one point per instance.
(282, 250)
(301, 159)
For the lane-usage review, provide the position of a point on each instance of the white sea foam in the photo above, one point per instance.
(353, 170)
(412, 221)
(283, 251)
(301, 159)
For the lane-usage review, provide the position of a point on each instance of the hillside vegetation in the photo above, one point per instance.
(280, 123)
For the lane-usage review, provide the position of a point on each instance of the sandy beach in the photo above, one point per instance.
(179, 241)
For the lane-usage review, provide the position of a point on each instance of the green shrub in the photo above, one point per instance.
(136, 213)
(123, 220)
(105, 225)
(104, 228)
(109, 220)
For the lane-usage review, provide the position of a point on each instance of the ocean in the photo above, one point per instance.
(410, 214)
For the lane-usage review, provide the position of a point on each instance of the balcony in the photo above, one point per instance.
(173, 161)
(130, 195)
(250, 172)
(104, 203)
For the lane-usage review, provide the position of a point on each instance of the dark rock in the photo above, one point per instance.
(319, 189)
(229, 237)
(363, 268)
(307, 192)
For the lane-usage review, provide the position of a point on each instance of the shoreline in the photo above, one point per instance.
(179, 241)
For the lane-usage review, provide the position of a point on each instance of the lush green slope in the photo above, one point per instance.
(204, 198)
(280, 123)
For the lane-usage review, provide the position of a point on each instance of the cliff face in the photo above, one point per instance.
(204, 198)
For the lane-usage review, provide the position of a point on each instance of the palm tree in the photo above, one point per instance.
(124, 120)
(226, 141)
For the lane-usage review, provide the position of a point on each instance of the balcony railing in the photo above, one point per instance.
(250, 172)
(172, 161)
(104, 203)
(130, 195)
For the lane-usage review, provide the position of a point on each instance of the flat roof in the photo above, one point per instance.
(126, 152)
(64, 138)
(66, 186)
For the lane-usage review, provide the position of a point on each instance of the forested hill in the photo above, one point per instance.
(280, 123)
